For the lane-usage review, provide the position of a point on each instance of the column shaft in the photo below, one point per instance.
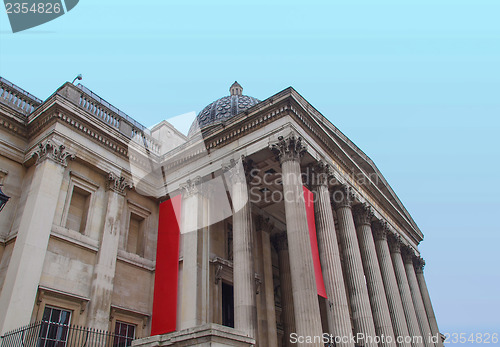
(287, 314)
(358, 291)
(423, 322)
(305, 295)
(376, 290)
(391, 286)
(404, 291)
(339, 322)
(427, 301)
(245, 312)
(272, 334)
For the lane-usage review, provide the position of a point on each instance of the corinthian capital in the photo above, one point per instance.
(408, 254)
(380, 230)
(394, 243)
(191, 187)
(419, 264)
(118, 184)
(53, 150)
(239, 171)
(288, 148)
(363, 214)
(343, 196)
(319, 174)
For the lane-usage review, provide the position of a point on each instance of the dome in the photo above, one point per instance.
(223, 109)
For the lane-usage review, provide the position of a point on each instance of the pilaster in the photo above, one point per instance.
(26, 264)
(104, 270)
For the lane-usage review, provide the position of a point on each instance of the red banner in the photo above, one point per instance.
(164, 318)
(320, 284)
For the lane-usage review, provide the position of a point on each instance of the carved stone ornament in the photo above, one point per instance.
(419, 264)
(54, 150)
(380, 230)
(191, 187)
(408, 254)
(320, 174)
(394, 243)
(118, 184)
(363, 214)
(343, 196)
(239, 171)
(288, 148)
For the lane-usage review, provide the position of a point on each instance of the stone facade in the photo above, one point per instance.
(80, 231)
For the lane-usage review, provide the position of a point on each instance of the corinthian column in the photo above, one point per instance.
(358, 291)
(419, 270)
(41, 188)
(288, 317)
(193, 301)
(339, 321)
(104, 271)
(376, 290)
(423, 322)
(305, 296)
(390, 284)
(245, 309)
(404, 291)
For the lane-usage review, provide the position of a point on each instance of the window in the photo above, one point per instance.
(54, 328)
(78, 210)
(227, 305)
(135, 240)
(124, 334)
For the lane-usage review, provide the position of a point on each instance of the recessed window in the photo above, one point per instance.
(227, 305)
(135, 239)
(124, 334)
(78, 210)
(54, 328)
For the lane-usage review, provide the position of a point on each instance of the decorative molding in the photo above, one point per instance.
(362, 214)
(118, 184)
(54, 150)
(288, 148)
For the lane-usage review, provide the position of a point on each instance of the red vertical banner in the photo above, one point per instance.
(320, 284)
(164, 318)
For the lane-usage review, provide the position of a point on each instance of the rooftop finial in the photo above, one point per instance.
(236, 89)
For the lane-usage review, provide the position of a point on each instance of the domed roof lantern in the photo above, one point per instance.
(236, 89)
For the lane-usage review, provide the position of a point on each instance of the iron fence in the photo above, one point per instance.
(49, 334)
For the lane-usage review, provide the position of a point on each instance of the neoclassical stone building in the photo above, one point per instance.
(264, 226)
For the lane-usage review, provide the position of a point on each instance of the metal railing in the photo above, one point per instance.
(48, 334)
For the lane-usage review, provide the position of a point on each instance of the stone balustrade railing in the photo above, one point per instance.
(111, 115)
(17, 98)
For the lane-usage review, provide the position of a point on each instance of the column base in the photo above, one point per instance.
(208, 335)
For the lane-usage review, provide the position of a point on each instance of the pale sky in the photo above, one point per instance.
(415, 84)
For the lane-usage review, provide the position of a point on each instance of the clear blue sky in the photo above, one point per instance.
(415, 84)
